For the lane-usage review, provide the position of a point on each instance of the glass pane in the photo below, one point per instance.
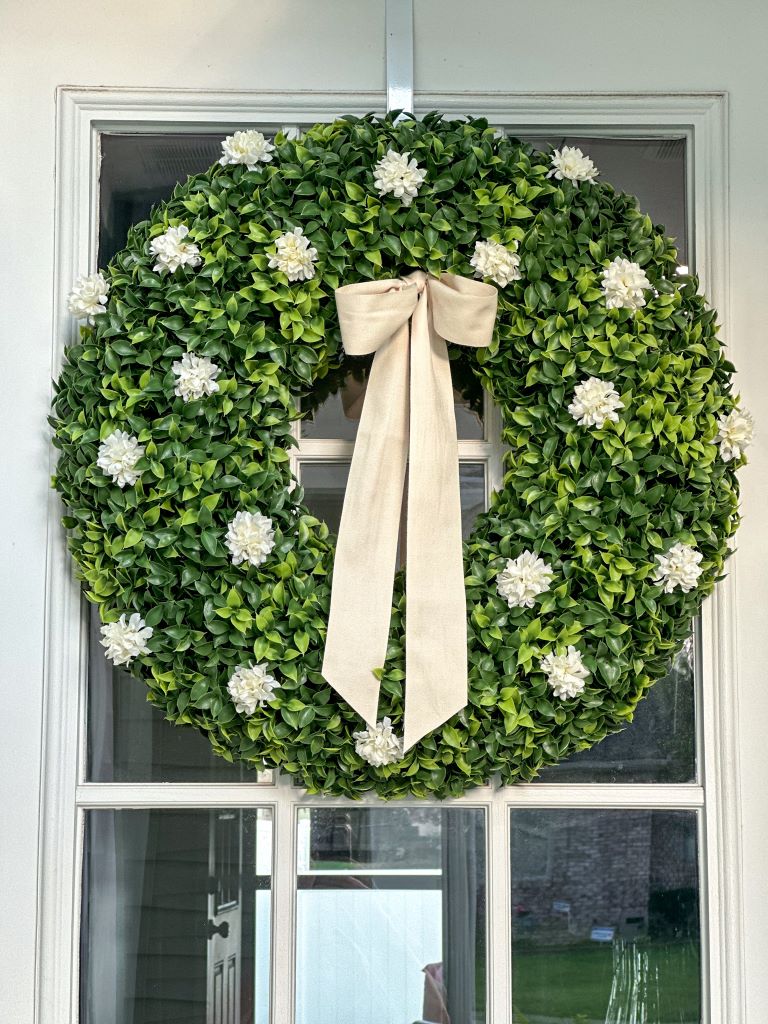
(659, 745)
(334, 410)
(324, 484)
(176, 917)
(391, 916)
(654, 170)
(605, 917)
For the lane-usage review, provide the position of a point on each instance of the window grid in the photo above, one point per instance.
(284, 799)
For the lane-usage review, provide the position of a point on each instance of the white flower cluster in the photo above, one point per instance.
(378, 744)
(679, 567)
(624, 285)
(493, 260)
(569, 162)
(89, 295)
(566, 673)
(125, 639)
(118, 455)
(250, 538)
(196, 377)
(398, 175)
(249, 147)
(595, 402)
(250, 686)
(172, 251)
(735, 432)
(294, 256)
(523, 579)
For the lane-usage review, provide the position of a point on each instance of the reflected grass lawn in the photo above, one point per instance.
(646, 981)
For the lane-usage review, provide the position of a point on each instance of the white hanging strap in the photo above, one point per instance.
(399, 32)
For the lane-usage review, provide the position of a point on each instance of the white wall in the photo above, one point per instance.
(338, 44)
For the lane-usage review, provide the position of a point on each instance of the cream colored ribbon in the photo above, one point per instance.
(411, 422)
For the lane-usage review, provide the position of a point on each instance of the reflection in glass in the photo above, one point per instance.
(176, 917)
(391, 916)
(658, 746)
(324, 484)
(605, 918)
(333, 411)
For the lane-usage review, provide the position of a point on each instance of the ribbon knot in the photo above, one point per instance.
(408, 420)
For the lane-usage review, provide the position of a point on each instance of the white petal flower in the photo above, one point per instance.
(196, 377)
(125, 639)
(250, 686)
(294, 256)
(566, 673)
(250, 538)
(118, 455)
(493, 260)
(569, 162)
(397, 174)
(249, 147)
(378, 744)
(89, 296)
(173, 252)
(523, 579)
(735, 432)
(595, 402)
(679, 568)
(624, 284)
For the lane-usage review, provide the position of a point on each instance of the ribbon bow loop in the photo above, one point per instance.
(407, 420)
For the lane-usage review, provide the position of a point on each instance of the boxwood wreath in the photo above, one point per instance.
(623, 434)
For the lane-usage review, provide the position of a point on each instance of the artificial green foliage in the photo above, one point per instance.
(597, 504)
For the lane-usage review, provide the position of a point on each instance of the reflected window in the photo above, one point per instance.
(391, 916)
(607, 927)
(176, 917)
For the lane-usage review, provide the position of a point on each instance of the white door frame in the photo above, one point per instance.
(81, 115)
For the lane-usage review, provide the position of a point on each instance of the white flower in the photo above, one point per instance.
(378, 744)
(118, 454)
(294, 256)
(569, 162)
(249, 147)
(397, 174)
(523, 579)
(735, 432)
(678, 568)
(173, 252)
(250, 538)
(196, 377)
(595, 402)
(491, 259)
(623, 284)
(565, 673)
(249, 687)
(126, 639)
(89, 296)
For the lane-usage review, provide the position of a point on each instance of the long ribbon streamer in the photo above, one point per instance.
(408, 420)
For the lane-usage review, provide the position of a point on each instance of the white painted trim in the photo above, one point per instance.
(81, 114)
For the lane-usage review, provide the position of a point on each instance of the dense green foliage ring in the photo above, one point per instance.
(597, 504)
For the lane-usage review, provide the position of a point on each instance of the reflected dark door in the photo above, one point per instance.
(225, 900)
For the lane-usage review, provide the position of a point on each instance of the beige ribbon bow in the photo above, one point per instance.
(406, 322)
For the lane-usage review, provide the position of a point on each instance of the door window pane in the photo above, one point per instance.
(176, 917)
(324, 484)
(334, 411)
(391, 916)
(658, 746)
(605, 917)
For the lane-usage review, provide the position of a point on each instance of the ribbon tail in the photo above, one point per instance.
(436, 607)
(366, 552)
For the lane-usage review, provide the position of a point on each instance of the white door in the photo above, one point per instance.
(630, 884)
